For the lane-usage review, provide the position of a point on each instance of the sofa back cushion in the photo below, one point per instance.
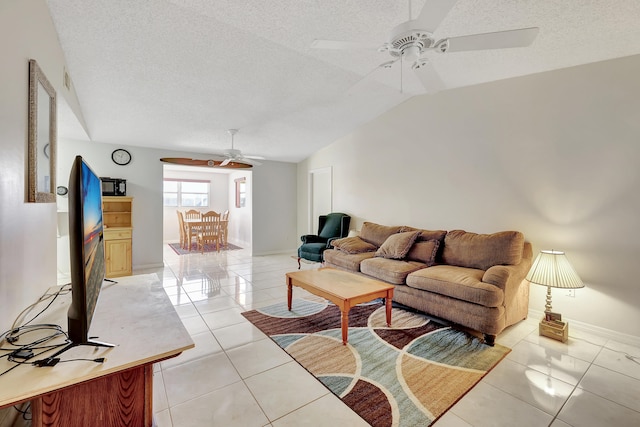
(376, 233)
(481, 251)
(427, 234)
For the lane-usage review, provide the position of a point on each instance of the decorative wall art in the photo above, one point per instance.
(41, 181)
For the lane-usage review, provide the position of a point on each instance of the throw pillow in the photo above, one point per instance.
(353, 245)
(426, 234)
(376, 233)
(424, 251)
(397, 245)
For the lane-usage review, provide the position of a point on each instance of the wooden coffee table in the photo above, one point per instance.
(342, 288)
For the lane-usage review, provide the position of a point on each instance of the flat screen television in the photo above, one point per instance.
(86, 248)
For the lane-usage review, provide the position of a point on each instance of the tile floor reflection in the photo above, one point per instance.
(236, 376)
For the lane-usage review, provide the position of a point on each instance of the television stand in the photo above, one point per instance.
(118, 391)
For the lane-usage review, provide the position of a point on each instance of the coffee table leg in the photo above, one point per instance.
(345, 325)
(289, 293)
(388, 304)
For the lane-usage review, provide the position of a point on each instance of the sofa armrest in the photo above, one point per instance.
(330, 240)
(508, 277)
(312, 238)
(499, 275)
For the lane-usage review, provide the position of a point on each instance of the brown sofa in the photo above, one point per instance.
(474, 280)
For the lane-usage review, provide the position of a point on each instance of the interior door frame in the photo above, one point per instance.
(314, 173)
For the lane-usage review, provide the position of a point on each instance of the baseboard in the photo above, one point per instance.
(593, 329)
(277, 252)
(146, 267)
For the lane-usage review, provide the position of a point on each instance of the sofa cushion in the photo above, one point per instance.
(426, 234)
(482, 251)
(353, 245)
(397, 245)
(340, 259)
(390, 270)
(376, 233)
(424, 252)
(457, 282)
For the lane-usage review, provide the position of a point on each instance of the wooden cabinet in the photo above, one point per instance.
(118, 228)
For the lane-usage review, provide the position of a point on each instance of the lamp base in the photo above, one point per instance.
(555, 329)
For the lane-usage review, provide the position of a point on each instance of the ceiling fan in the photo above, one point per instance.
(409, 42)
(233, 159)
(235, 156)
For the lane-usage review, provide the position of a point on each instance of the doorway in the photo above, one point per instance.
(320, 196)
(219, 196)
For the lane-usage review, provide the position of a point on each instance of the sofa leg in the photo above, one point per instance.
(298, 263)
(489, 339)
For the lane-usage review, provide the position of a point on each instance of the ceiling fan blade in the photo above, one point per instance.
(498, 40)
(190, 162)
(433, 12)
(337, 44)
(371, 76)
(429, 78)
(251, 161)
(225, 162)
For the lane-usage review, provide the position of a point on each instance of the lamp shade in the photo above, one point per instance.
(552, 268)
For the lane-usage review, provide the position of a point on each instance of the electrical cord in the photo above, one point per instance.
(25, 412)
(62, 291)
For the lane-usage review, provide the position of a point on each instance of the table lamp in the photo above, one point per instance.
(553, 270)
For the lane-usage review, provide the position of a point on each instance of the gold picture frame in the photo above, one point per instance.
(241, 192)
(42, 137)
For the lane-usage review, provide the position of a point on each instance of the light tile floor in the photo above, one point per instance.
(236, 376)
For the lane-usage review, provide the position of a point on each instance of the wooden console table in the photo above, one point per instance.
(136, 315)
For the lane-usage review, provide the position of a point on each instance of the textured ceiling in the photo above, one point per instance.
(176, 74)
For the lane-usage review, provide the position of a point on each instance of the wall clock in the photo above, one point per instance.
(121, 157)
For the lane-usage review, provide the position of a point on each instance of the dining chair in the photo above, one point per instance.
(183, 234)
(192, 214)
(224, 228)
(209, 230)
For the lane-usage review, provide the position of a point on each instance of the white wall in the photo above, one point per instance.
(144, 183)
(555, 155)
(218, 199)
(27, 230)
(273, 194)
(241, 218)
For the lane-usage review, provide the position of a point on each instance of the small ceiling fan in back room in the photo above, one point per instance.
(410, 42)
(231, 158)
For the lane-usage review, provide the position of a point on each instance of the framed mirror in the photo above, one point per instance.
(241, 192)
(42, 137)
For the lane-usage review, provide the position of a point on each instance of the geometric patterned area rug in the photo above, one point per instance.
(406, 375)
(207, 248)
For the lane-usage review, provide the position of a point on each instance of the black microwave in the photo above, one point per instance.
(113, 186)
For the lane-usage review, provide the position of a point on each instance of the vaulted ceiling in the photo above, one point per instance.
(177, 74)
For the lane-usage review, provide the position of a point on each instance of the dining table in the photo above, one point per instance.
(195, 225)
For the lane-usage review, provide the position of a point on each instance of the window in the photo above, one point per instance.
(186, 193)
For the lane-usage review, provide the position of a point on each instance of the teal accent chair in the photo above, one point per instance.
(330, 227)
